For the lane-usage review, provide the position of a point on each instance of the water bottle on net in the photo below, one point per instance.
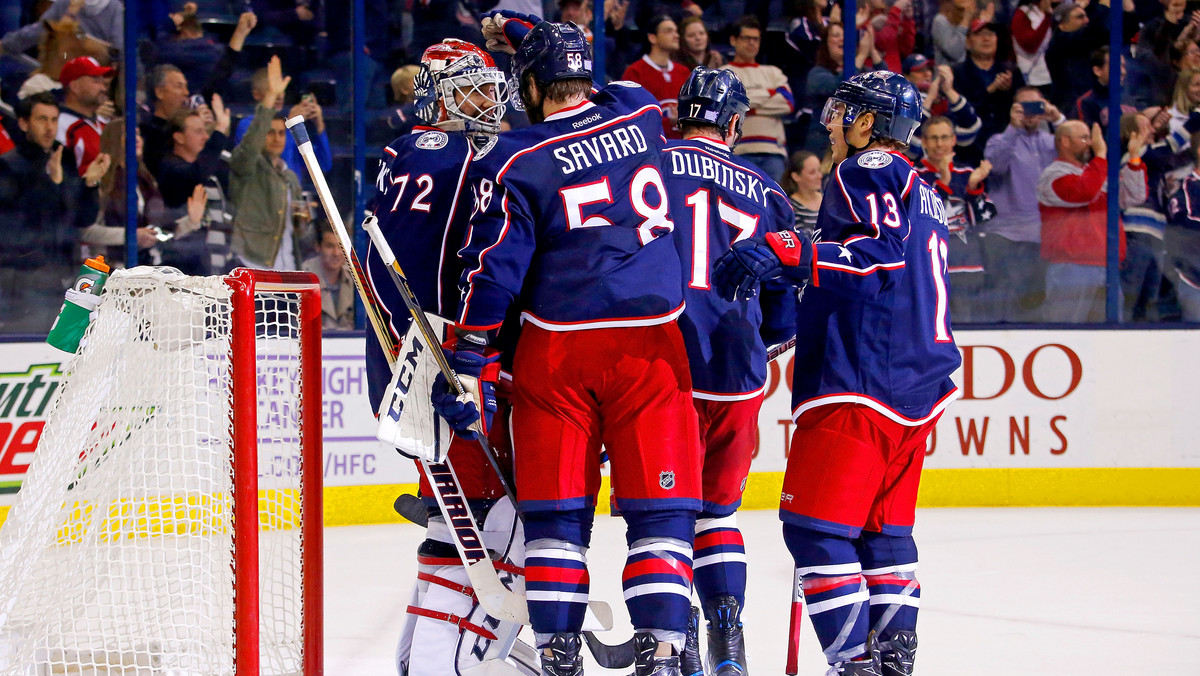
(80, 300)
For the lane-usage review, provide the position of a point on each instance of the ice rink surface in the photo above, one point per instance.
(1030, 591)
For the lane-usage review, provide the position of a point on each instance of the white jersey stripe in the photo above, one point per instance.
(555, 554)
(723, 557)
(840, 601)
(661, 547)
(896, 599)
(831, 570)
(658, 588)
(901, 568)
(555, 596)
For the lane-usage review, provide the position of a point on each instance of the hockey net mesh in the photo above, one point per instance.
(117, 557)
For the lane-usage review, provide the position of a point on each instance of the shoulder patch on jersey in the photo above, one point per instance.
(433, 140)
(623, 83)
(876, 159)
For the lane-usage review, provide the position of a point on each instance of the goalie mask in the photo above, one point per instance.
(459, 84)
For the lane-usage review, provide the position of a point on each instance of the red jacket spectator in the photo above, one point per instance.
(897, 36)
(658, 73)
(663, 84)
(1073, 201)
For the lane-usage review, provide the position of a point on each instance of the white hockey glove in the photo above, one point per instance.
(407, 419)
(504, 29)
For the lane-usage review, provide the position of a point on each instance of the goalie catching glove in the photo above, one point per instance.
(478, 369)
(739, 271)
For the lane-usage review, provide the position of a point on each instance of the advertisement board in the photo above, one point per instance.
(1043, 417)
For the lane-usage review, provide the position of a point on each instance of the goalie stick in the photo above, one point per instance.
(599, 614)
(499, 601)
(410, 507)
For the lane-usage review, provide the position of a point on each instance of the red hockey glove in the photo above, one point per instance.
(738, 273)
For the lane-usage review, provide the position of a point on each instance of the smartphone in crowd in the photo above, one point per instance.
(1034, 107)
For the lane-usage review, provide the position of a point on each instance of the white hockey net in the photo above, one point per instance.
(119, 555)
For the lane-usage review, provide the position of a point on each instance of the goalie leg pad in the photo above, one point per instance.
(501, 530)
(835, 591)
(447, 631)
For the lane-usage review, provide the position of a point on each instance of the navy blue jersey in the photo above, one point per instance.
(717, 199)
(1183, 233)
(873, 324)
(570, 221)
(423, 207)
(966, 251)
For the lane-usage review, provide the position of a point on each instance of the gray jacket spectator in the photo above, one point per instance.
(264, 190)
(1014, 272)
(102, 19)
(949, 29)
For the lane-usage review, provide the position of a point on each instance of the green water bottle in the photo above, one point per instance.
(76, 311)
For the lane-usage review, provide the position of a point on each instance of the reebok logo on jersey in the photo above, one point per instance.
(666, 480)
(586, 121)
(432, 140)
(876, 159)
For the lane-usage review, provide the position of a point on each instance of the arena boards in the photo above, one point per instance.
(1045, 418)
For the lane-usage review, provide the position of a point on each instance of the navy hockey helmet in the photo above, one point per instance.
(713, 97)
(553, 52)
(894, 100)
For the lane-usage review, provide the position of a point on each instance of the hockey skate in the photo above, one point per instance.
(647, 663)
(897, 654)
(566, 658)
(867, 665)
(690, 662)
(726, 644)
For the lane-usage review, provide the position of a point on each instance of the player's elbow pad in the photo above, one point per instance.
(795, 252)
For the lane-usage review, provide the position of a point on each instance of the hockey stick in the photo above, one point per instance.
(499, 601)
(600, 613)
(793, 649)
(776, 351)
(371, 225)
(618, 656)
(410, 507)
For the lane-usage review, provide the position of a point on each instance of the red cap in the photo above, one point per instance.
(976, 26)
(81, 66)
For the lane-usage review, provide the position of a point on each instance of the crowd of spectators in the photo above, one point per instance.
(1015, 99)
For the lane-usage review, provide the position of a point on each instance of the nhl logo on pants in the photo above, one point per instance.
(666, 480)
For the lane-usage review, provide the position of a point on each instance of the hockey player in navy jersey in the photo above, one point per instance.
(572, 227)
(718, 198)
(422, 203)
(873, 361)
